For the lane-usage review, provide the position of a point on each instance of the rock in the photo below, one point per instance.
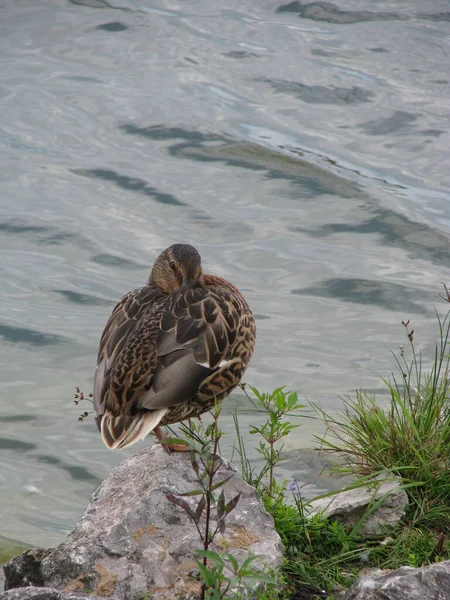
(46, 593)
(25, 569)
(350, 506)
(427, 583)
(132, 540)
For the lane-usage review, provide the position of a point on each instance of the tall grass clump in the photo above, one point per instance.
(410, 437)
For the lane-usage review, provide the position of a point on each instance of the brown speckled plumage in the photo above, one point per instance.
(170, 349)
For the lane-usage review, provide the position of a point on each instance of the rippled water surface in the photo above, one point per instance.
(302, 148)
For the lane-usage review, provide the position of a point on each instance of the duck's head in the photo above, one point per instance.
(178, 265)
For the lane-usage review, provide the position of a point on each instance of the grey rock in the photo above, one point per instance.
(350, 506)
(45, 593)
(427, 583)
(132, 540)
(25, 569)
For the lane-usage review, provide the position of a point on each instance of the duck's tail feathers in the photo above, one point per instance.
(123, 431)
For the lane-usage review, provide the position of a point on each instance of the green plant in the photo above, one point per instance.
(409, 438)
(315, 548)
(220, 572)
(276, 406)
(220, 585)
(410, 546)
(320, 554)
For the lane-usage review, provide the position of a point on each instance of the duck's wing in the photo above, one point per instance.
(196, 341)
(121, 325)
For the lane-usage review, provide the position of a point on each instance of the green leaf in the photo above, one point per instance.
(220, 483)
(174, 440)
(207, 576)
(233, 561)
(221, 505)
(273, 419)
(200, 507)
(280, 402)
(292, 399)
(194, 463)
(210, 430)
(214, 557)
(232, 504)
(221, 525)
(263, 578)
(182, 504)
(192, 493)
(250, 558)
(256, 393)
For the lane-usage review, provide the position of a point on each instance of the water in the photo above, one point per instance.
(303, 149)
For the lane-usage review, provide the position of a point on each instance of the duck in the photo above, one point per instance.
(170, 350)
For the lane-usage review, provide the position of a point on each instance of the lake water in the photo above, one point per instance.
(302, 148)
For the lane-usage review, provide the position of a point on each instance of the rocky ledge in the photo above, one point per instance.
(373, 509)
(427, 583)
(46, 593)
(132, 541)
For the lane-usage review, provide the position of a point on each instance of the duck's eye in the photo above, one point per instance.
(173, 266)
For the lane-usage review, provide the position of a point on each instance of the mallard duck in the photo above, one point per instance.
(170, 349)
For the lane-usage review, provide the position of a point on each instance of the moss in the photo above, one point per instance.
(10, 548)
(147, 530)
(179, 591)
(76, 585)
(240, 537)
(106, 583)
